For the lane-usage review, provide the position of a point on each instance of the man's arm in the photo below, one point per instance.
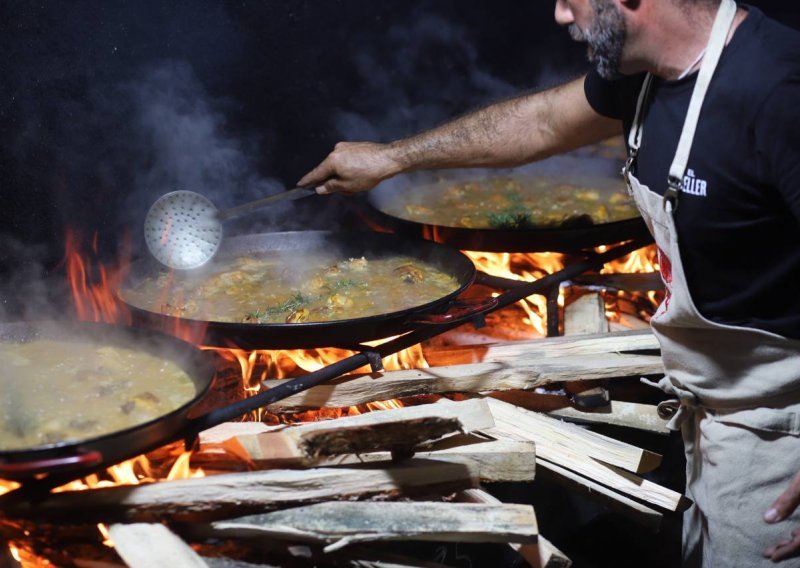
(513, 132)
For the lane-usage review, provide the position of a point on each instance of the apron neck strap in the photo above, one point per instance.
(719, 34)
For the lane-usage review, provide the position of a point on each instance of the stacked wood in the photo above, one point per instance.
(618, 413)
(220, 496)
(593, 463)
(541, 554)
(342, 523)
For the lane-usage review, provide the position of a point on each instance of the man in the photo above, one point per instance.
(708, 96)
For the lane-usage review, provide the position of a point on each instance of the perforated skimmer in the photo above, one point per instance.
(183, 229)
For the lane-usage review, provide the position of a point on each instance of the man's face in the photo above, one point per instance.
(602, 26)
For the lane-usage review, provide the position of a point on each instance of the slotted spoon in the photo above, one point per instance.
(183, 229)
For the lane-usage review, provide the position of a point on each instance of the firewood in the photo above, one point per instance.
(554, 432)
(342, 523)
(541, 554)
(538, 349)
(617, 413)
(221, 496)
(523, 373)
(586, 315)
(398, 430)
(640, 513)
(494, 460)
(514, 425)
(144, 545)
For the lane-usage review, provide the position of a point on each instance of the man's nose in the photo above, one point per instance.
(564, 16)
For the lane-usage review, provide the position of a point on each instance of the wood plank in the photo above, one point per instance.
(342, 523)
(525, 373)
(554, 432)
(144, 545)
(541, 554)
(240, 493)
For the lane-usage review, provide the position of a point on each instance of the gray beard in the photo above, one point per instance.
(605, 38)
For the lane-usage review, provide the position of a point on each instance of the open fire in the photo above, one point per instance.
(94, 284)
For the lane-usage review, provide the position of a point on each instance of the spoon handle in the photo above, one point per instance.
(292, 194)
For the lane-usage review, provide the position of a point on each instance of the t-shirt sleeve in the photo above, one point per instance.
(777, 132)
(614, 98)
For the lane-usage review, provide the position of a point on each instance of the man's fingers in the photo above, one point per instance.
(786, 549)
(786, 503)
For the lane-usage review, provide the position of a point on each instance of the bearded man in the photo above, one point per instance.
(706, 93)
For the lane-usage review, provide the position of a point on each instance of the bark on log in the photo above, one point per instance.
(222, 496)
(342, 523)
(525, 373)
(398, 430)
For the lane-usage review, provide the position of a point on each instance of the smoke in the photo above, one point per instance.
(187, 145)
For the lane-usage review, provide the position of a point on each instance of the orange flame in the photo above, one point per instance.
(94, 297)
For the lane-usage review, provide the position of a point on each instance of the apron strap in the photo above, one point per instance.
(719, 35)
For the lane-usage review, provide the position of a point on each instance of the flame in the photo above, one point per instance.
(94, 285)
(527, 267)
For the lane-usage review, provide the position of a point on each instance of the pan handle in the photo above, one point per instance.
(459, 310)
(49, 465)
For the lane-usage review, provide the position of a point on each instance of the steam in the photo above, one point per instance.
(187, 143)
(429, 71)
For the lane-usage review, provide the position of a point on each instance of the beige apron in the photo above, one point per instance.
(737, 389)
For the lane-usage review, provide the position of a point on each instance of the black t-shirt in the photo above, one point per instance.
(739, 227)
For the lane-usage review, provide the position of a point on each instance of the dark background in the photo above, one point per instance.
(105, 105)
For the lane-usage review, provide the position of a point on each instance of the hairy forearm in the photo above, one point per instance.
(509, 133)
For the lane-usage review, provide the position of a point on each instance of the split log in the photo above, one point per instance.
(551, 347)
(586, 315)
(398, 430)
(144, 545)
(344, 523)
(514, 425)
(525, 373)
(556, 433)
(640, 513)
(541, 554)
(617, 413)
(494, 460)
(222, 496)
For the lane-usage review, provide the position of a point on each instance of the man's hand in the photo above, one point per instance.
(780, 510)
(352, 167)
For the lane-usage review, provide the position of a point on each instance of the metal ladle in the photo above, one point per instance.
(183, 229)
